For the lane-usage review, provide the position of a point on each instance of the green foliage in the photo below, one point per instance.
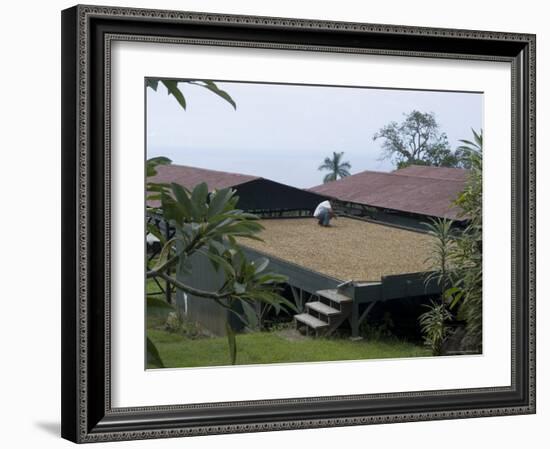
(468, 254)
(335, 166)
(457, 257)
(434, 322)
(382, 331)
(208, 223)
(174, 322)
(172, 87)
(443, 245)
(182, 207)
(434, 325)
(470, 152)
(212, 87)
(154, 162)
(417, 140)
(177, 323)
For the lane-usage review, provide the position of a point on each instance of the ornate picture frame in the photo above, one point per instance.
(88, 33)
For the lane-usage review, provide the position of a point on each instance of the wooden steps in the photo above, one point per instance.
(334, 296)
(326, 314)
(311, 321)
(322, 308)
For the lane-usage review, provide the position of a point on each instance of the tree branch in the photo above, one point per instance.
(195, 291)
(216, 297)
(193, 246)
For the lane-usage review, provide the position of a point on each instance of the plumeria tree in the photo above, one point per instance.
(209, 223)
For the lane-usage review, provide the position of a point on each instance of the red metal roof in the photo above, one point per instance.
(426, 171)
(189, 177)
(415, 193)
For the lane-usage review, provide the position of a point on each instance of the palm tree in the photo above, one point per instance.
(470, 150)
(337, 168)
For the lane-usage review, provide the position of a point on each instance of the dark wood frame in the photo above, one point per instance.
(87, 32)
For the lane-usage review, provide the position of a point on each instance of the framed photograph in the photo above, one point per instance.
(278, 223)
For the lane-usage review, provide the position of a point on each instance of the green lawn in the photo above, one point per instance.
(273, 347)
(177, 350)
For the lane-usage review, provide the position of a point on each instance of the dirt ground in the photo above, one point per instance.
(348, 250)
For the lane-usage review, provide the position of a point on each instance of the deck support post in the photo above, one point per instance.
(354, 320)
(357, 320)
(366, 312)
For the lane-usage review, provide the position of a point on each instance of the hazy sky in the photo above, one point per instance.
(283, 132)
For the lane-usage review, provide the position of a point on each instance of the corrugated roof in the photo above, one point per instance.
(189, 177)
(418, 194)
(255, 193)
(426, 171)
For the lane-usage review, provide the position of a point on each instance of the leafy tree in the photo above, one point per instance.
(208, 223)
(335, 166)
(469, 149)
(417, 140)
(457, 261)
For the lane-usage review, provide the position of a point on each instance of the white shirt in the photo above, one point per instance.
(322, 206)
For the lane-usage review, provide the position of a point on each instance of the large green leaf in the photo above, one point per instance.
(218, 261)
(218, 201)
(172, 213)
(171, 209)
(173, 89)
(217, 246)
(270, 278)
(251, 315)
(260, 264)
(199, 196)
(182, 197)
(152, 83)
(212, 87)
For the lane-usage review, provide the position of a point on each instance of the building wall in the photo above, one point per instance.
(266, 195)
(209, 315)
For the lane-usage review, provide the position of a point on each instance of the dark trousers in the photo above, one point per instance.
(324, 217)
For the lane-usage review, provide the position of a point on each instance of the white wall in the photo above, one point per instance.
(29, 104)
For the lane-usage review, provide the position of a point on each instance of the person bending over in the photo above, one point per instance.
(323, 213)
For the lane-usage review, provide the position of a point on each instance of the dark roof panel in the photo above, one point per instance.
(255, 193)
(432, 196)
